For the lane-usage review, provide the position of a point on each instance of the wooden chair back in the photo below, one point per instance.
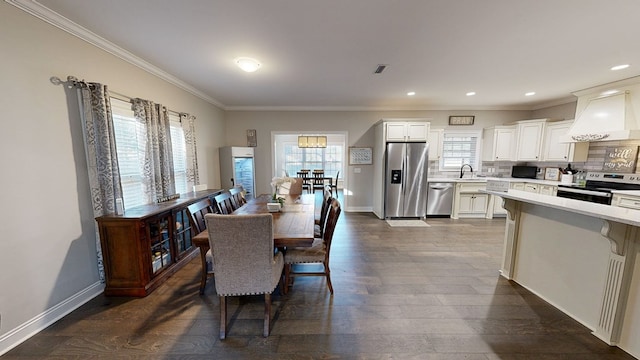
(237, 196)
(197, 212)
(224, 203)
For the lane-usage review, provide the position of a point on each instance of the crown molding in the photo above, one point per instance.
(42, 12)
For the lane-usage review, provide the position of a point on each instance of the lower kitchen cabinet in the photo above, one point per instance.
(147, 244)
(626, 201)
(469, 201)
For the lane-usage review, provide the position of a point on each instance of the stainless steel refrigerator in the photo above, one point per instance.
(406, 180)
(237, 167)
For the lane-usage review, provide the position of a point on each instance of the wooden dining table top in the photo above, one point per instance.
(292, 225)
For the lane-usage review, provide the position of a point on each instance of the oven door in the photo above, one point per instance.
(594, 196)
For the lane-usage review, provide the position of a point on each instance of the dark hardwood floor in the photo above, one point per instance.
(419, 293)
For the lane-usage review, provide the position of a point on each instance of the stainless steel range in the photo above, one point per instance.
(599, 186)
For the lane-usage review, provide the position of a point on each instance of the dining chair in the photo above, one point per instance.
(293, 187)
(196, 212)
(224, 203)
(318, 229)
(237, 196)
(334, 185)
(304, 176)
(317, 253)
(317, 181)
(245, 260)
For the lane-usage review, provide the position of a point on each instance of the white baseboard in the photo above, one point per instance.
(359, 209)
(23, 332)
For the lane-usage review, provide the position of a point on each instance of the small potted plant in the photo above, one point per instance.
(276, 183)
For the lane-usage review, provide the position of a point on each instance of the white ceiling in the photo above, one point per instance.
(321, 54)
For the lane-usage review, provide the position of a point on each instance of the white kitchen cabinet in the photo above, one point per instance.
(529, 140)
(468, 201)
(435, 143)
(473, 204)
(550, 190)
(497, 207)
(554, 150)
(626, 201)
(498, 143)
(531, 187)
(517, 186)
(407, 131)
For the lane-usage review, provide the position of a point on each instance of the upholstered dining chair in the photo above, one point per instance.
(317, 253)
(245, 261)
(196, 212)
(224, 203)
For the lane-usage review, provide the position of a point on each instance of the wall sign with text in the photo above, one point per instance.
(620, 159)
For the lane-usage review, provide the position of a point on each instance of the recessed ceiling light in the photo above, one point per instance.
(411, 93)
(471, 93)
(620, 67)
(248, 64)
(530, 93)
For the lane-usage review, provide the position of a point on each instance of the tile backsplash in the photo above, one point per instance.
(595, 162)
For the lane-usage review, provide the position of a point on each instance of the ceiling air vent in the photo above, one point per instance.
(380, 69)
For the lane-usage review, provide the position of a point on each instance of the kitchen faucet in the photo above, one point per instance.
(462, 169)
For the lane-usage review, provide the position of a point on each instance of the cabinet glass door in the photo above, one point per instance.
(184, 232)
(160, 235)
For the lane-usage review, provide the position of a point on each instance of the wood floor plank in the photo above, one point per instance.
(414, 293)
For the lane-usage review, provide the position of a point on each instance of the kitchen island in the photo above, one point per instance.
(580, 257)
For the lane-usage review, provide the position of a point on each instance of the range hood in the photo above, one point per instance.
(605, 118)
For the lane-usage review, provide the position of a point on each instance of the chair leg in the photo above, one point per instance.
(223, 317)
(203, 278)
(328, 275)
(287, 275)
(267, 315)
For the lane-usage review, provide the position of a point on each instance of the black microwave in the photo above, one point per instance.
(526, 172)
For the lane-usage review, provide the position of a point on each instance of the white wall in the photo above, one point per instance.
(47, 247)
(358, 124)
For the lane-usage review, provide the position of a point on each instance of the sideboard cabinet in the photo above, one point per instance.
(147, 244)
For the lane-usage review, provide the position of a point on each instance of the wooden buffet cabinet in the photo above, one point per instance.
(146, 245)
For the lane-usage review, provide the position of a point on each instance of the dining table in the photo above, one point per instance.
(292, 225)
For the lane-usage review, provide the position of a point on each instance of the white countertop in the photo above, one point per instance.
(607, 212)
(484, 179)
(627, 192)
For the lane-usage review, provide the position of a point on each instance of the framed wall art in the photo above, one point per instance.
(360, 156)
(461, 120)
(620, 159)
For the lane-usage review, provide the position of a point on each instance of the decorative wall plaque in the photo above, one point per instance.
(461, 120)
(620, 159)
(360, 156)
(252, 138)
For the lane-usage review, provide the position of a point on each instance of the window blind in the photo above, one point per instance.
(459, 148)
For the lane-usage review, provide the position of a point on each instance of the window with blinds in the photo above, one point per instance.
(330, 158)
(131, 140)
(459, 148)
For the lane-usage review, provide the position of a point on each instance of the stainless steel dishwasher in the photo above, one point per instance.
(440, 198)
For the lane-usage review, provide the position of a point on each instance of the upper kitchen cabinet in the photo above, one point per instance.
(555, 150)
(529, 140)
(498, 143)
(407, 131)
(435, 143)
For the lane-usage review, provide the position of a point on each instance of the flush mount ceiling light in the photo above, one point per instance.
(411, 93)
(247, 64)
(471, 93)
(530, 93)
(620, 67)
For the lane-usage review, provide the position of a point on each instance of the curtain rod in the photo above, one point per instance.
(72, 81)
